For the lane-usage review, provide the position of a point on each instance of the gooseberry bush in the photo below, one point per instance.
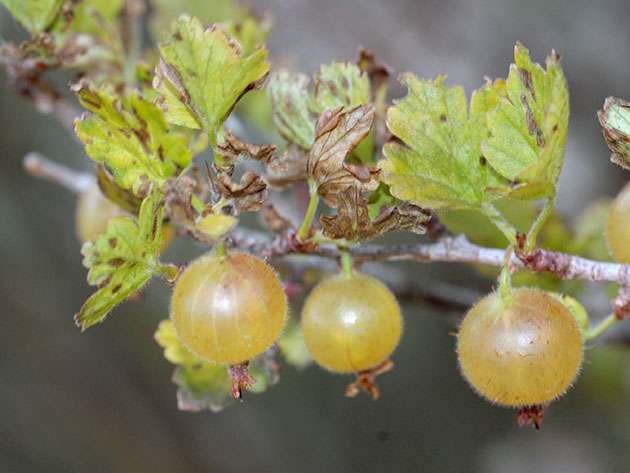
(169, 132)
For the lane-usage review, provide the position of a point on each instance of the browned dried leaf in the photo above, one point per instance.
(287, 168)
(337, 133)
(615, 121)
(377, 72)
(274, 221)
(352, 221)
(233, 148)
(248, 195)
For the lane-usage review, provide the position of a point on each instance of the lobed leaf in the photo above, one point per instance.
(435, 158)
(615, 121)
(296, 106)
(34, 15)
(529, 127)
(122, 260)
(203, 73)
(130, 137)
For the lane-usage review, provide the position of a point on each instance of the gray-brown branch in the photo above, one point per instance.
(447, 249)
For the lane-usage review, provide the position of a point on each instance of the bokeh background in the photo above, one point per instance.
(103, 401)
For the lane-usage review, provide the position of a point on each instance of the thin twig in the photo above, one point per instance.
(39, 166)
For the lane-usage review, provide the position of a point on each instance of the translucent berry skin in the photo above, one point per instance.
(93, 213)
(351, 323)
(522, 353)
(228, 309)
(618, 231)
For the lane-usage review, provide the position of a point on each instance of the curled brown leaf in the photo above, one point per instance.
(337, 133)
(248, 195)
(352, 221)
(234, 148)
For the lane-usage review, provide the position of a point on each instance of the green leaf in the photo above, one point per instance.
(555, 235)
(615, 121)
(130, 136)
(577, 310)
(215, 11)
(34, 15)
(203, 73)
(529, 126)
(292, 116)
(293, 347)
(589, 239)
(435, 159)
(203, 385)
(122, 260)
(296, 106)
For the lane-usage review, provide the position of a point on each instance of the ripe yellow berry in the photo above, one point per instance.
(618, 231)
(351, 323)
(228, 309)
(526, 351)
(93, 212)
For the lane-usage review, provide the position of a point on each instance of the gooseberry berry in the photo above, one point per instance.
(522, 351)
(228, 309)
(351, 323)
(93, 212)
(618, 231)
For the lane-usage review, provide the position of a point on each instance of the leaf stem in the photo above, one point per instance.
(133, 10)
(197, 203)
(346, 263)
(500, 222)
(313, 202)
(219, 249)
(505, 278)
(539, 223)
(601, 327)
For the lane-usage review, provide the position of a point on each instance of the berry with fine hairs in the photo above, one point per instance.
(618, 230)
(522, 351)
(228, 309)
(351, 323)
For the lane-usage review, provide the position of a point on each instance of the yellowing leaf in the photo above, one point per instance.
(122, 260)
(34, 15)
(203, 73)
(130, 137)
(216, 225)
(615, 121)
(529, 126)
(435, 159)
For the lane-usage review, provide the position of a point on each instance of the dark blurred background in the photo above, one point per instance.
(103, 401)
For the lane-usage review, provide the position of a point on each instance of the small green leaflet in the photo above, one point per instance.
(130, 137)
(215, 11)
(123, 259)
(435, 160)
(94, 17)
(296, 106)
(615, 121)
(203, 73)
(204, 385)
(529, 126)
(34, 15)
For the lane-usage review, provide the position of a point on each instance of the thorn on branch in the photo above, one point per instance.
(366, 380)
